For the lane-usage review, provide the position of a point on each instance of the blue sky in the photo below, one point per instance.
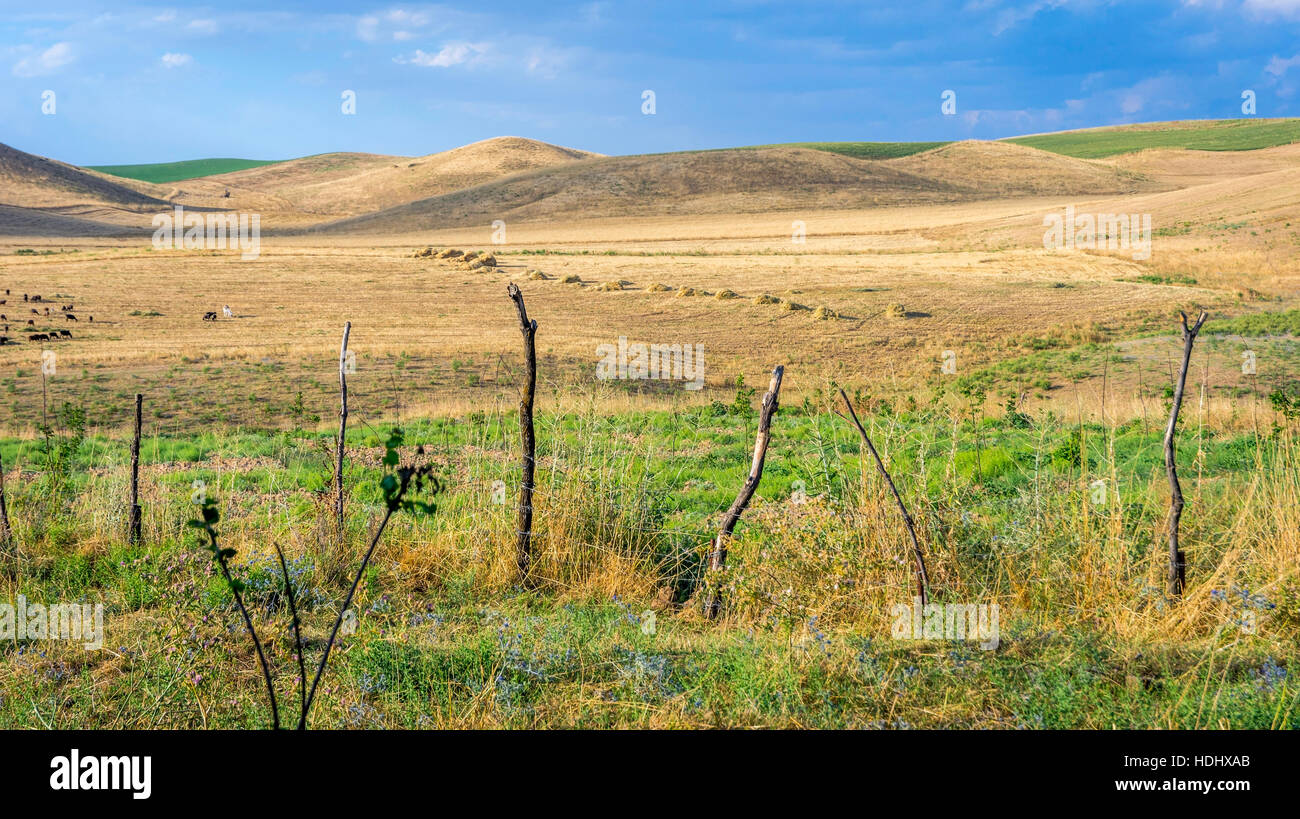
(264, 80)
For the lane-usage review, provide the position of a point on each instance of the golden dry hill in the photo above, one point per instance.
(755, 181)
(349, 184)
(30, 181)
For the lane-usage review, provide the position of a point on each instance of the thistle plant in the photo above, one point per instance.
(399, 488)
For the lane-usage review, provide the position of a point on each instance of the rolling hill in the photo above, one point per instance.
(347, 184)
(31, 181)
(755, 180)
(527, 180)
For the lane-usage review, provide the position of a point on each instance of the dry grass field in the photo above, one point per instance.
(972, 278)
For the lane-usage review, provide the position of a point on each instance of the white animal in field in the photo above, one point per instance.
(226, 310)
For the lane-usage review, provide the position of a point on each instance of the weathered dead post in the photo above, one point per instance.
(1177, 561)
(343, 431)
(6, 533)
(524, 526)
(918, 557)
(718, 557)
(133, 532)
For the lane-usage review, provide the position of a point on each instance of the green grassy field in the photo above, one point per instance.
(446, 637)
(1208, 135)
(160, 172)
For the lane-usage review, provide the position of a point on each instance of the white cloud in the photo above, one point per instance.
(410, 19)
(171, 60)
(1012, 17)
(451, 54)
(547, 61)
(47, 62)
(1257, 9)
(1289, 9)
(203, 26)
(1278, 66)
(402, 24)
(368, 28)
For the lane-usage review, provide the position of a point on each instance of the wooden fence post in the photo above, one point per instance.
(133, 532)
(6, 533)
(1177, 561)
(918, 557)
(524, 526)
(343, 431)
(718, 557)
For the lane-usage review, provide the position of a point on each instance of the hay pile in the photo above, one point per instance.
(896, 310)
(685, 292)
(659, 288)
(766, 299)
(571, 278)
(488, 260)
(449, 253)
(426, 252)
(471, 256)
(537, 275)
(825, 314)
(790, 306)
(724, 294)
(608, 286)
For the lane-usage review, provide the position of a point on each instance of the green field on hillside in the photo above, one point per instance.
(1207, 135)
(160, 172)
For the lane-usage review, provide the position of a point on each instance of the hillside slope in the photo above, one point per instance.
(347, 184)
(30, 181)
(997, 169)
(755, 180)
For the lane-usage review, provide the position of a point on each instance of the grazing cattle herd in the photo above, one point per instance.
(48, 335)
(68, 315)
